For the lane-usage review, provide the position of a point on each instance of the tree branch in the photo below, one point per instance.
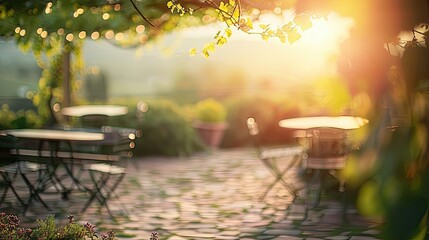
(141, 14)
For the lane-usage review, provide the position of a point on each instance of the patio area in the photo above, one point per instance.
(206, 196)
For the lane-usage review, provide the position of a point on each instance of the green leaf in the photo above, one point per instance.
(205, 53)
(221, 41)
(263, 26)
(217, 35)
(210, 47)
(265, 36)
(192, 52)
(293, 36)
(236, 14)
(228, 32)
(303, 21)
(223, 7)
(287, 27)
(249, 23)
(404, 218)
(368, 200)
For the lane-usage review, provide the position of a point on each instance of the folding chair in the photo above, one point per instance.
(326, 156)
(270, 157)
(107, 175)
(94, 120)
(8, 168)
(12, 166)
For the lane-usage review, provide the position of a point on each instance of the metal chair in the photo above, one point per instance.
(107, 175)
(326, 156)
(270, 157)
(12, 166)
(8, 168)
(94, 120)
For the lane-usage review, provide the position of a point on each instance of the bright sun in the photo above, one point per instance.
(312, 56)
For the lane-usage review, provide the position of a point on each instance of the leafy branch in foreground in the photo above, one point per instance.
(231, 14)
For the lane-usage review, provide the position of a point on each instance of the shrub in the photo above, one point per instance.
(10, 228)
(210, 110)
(267, 111)
(20, 119)
(166, 128)
(167, 131)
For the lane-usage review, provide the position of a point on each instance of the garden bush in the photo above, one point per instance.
(167, 130)
(10, 228)
(20, 119)
(266, 110)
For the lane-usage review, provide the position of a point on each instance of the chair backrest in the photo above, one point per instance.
(7, 143)
(141, 109)
(94, 120)
(326, 148)
(253, 128)
(327, 142)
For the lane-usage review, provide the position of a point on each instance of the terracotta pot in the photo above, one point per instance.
(211, 133)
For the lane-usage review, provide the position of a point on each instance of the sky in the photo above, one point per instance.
(149, 68)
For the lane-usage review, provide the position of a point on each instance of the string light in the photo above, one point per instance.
(256, 12)
(119, 36)
(95, 35)
(78, 83)
(117, 7)
(106, 16)
(78, 12)
(70, 37)
(109, 34)
(82, 35)
(60, 31)
(140, 28)
(29, 94)
(48, 8)
(143, 39)
(44, 34)
(17, 30)
(39, 31)
(22, 32)
(277, 10)
(95, 70)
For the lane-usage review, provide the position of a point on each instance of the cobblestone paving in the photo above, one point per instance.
(207, 196)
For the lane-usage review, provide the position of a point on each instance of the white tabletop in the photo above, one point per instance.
(55, 135)
(340, 122)
(108, 110)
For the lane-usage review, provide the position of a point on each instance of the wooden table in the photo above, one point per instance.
(85, 110)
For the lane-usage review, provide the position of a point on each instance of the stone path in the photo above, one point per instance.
(207, 196)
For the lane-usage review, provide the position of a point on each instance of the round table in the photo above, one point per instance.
(324, 138)
(55, 135)
(340, 122)
(85, 110)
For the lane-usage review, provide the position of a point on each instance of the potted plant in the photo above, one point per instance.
(209, 121)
